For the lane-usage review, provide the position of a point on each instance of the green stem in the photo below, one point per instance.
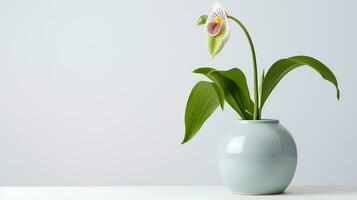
(255, 70)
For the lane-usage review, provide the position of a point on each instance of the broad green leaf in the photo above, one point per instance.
(202, 19)
(220, 94)
(280, 68)
(203, 70)
(237, 76)
(233, 94)
(231, 82)
(219, 91)
(201, 103)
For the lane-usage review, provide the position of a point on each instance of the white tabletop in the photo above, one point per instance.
(170, 193)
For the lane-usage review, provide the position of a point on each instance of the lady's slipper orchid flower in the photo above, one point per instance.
(216, 30)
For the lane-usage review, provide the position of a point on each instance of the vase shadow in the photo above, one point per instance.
(320, 190)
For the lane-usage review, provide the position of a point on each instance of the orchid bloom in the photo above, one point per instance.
(216, 29)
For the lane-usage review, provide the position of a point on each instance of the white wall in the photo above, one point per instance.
(93, 92)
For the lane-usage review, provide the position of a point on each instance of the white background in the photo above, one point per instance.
(93, 92)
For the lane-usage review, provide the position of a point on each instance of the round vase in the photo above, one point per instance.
(257, 157)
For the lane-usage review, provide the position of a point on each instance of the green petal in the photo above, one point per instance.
(202, 19)
(217, 42)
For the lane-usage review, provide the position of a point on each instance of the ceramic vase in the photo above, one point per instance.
(257, 157)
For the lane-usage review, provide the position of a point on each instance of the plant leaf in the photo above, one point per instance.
(220, 95)
(201, 103)
(237, 76)
(202, 19)
(260, 89)
(233, 93)
(203, 70)
(219, 91)
(281, 67)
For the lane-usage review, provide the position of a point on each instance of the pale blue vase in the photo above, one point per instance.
(257, 157)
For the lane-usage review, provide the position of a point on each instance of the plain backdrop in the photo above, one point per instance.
(93, 92)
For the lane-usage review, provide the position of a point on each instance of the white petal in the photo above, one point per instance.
(217, 10)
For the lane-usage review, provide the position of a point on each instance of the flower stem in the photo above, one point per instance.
(255, 70)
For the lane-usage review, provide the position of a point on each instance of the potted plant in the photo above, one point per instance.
(256, 156)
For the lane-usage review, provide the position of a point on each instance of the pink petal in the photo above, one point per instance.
(213, 28)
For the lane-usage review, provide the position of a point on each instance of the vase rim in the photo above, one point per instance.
(260, 121)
